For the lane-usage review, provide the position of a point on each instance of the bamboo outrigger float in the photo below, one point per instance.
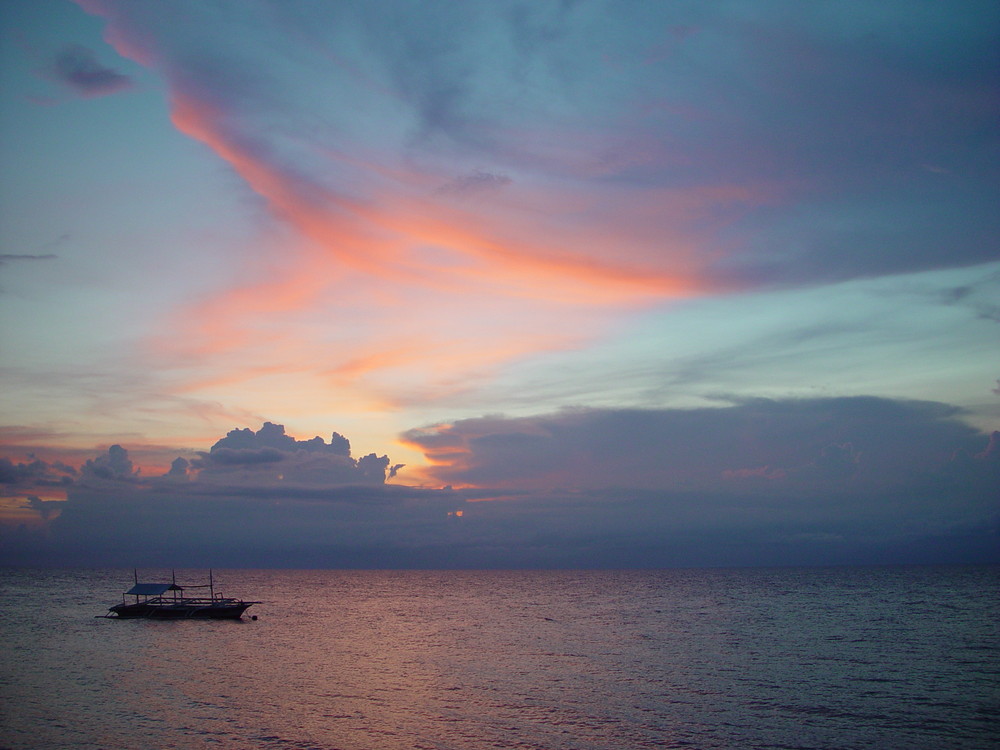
(166, 601)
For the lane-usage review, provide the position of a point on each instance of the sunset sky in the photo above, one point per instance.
(579, 283)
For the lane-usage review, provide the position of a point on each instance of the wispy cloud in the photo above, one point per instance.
(609, 190)
(6, 258)
(78, 68)
(477, 182)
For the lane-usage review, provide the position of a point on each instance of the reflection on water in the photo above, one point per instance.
(706, 659)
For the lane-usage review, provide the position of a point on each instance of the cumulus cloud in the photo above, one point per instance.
(256, 497)
(77, 67)
(272, 435)
(34, 473)
(178, 468)
(114, 465)
(263, 463)
(269, 455)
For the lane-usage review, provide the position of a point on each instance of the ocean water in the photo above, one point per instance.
(777, 658)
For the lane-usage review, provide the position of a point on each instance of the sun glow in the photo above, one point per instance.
(31, 510)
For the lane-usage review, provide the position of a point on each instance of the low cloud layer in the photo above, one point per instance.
(802, 446)
(760, 482)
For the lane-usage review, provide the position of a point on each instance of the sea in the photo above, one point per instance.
(803, 658)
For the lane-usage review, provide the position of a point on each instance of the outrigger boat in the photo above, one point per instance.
(166, 600)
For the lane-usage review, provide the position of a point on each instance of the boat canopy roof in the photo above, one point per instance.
(153, 589)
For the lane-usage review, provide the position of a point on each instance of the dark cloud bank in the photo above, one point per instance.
(822, 481)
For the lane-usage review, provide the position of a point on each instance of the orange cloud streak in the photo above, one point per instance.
(394, 226)
(507, 250)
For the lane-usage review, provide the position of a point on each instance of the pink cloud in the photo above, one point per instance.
(525, 246)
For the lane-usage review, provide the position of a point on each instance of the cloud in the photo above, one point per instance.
(260, 493)
(978, 296)
(597, 126)
(270, 456)
(594, 164)
(838, 461)
(34, 485)
(44, 508)
(6, 258)
(178, 468)
(113, 466)
(756, 482)
(745, 482)
(992, 452)
(34, 473)
(805, 442)
(472, 167)
(78, 68)
(477, 182)
(273, 436)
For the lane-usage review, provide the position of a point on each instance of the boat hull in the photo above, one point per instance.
(228, 611)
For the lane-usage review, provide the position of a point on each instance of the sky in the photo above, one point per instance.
(499, 284)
